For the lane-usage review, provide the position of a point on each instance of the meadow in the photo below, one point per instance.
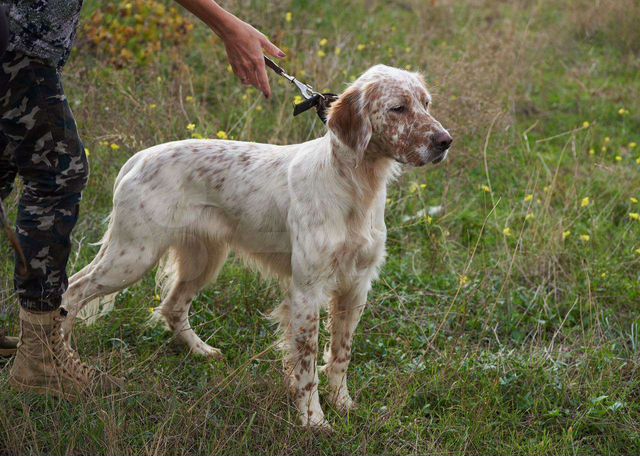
(507, 317)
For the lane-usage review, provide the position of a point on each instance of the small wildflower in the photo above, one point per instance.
(229, 69)
(159, 79)
(485, 188)
(197, 136)
(429, 219)
(637, 251)
(585, 238)
(546, 189)
(323, 42)
(623, 112)
(288, 17)
(507, 231)
(408, 67)
(585, 202)
(245, 97)
(337, 50)
(114, 147)
(153, 106)
(222, 134)
(592, 151)
(191, 127)
(607, 140)
(190, 99)
(361, 47)
(152, 310)
(388, 200)
(259, 108)
(423, 186)
(586, 124)
(321, 54)
(638, 161)
(86, 151)
(297, 99)
(603, 149)
(618, 158)
(529, 216)
(157, 298)
(634, 216)
(604, 275)
(528, 198)
(407, 50)
(464, 281)
(414, 187)
(632, 145)
(634, 200)
(566, 234)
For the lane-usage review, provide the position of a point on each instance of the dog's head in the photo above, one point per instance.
(386, 112)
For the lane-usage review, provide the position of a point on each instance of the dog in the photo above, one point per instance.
(310, 214)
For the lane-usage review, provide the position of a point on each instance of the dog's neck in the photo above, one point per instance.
(367, 175)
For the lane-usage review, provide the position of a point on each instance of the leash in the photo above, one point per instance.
(312, 99)
(13, 240)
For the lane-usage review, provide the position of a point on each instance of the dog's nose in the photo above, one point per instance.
(442, 140)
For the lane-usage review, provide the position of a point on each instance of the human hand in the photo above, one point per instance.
(245, 48)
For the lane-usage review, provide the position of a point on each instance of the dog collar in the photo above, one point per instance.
(321, 101)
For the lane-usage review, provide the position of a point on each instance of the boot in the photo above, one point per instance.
(8, 344)
(45, 364)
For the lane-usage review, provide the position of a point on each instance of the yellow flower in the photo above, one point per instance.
(637, 251)
(486, 189)
(104, 143)
(414, 187)
(407, 50)
(623, 112)
(259, 108)
(191, 127)
(586, 124)
(585, 238)
(585, 202)
(152, 310)
(297, 99)
(592, 151)
(464, 281)
(529, 216)
(321, 53)
(566, 234)
(607, 140)
(634, 200)
(546, 189)
(114, 147)
(388, 200)
(361, 47)
(507, 231)
(618, 158)
(190, 99)
(423, 186)
(528, 198)
(632, 145)
(408, 67)
(323, 42)
(157, 298)
(288, 17)
(634, 216)
(229, 69)
(86, 151)
(429, 219)
(197, 136)
(337, 50)
(604, 275)
(222, 134)
(638, 161)
(153, 106)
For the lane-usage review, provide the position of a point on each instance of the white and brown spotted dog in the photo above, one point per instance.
(311, 214)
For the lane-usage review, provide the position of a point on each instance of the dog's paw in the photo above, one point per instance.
(343, 403)
(317, 424)
(202, 349)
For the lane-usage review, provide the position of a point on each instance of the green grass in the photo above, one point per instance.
(473, 341)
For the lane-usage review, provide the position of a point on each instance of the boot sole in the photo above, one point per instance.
(42, 390)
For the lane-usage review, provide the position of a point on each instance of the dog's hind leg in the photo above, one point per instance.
(117, 266)
(187, 269)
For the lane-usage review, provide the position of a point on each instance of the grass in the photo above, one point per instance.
(496, 326)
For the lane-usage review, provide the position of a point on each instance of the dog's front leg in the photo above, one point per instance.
(301, 338)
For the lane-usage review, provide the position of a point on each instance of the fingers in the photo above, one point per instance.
(271, 49)
(262, 81)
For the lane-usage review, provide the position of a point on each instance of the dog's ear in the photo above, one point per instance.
(349, 121)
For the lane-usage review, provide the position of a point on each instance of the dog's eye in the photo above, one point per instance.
(399, 109)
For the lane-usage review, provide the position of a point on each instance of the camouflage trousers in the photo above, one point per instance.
(39, 142)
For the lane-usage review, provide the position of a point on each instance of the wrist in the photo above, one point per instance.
(224, 24)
